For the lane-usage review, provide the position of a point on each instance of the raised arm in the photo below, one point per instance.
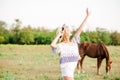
(83, 23)
(54, 42)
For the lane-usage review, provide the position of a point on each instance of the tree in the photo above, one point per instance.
(115, 36)
(103, 36)
(44, 38)
(26, 36)
(106, 38)
(93, 36)
(84, 37)
(15, 32)
(4, 38)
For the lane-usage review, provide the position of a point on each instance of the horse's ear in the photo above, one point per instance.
(86, 44)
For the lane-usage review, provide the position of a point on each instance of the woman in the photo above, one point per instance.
(68, 50)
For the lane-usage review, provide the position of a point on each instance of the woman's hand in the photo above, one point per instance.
(54, 42)
(59, 32)
(87, 12)
(83, 23)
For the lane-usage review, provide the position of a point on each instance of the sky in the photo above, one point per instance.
(54, 13)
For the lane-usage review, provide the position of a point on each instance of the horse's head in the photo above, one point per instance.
(108, 67)
(83, 47)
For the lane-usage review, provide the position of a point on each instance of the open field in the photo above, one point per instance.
(36, 62)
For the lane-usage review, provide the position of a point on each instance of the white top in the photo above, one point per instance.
(68, 52)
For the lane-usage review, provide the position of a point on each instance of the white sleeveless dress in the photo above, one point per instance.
(69, 56)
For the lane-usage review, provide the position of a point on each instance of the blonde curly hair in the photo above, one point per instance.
(65, 30)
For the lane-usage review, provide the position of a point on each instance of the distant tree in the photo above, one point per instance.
(26, 36)
(50, 37)
(103, 36)
(84, 37)
(44, 38)
(15, 32)
(2, 27)
(115, 36)
(106, 38)
(2, 30)
(4, 38)
(93, 36)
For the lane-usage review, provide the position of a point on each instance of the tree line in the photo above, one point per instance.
(18, 34)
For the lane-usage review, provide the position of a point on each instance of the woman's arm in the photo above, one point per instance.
(83, 23)
(54, 42)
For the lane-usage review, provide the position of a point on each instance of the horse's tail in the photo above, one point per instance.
(108, 62)
(106, 52)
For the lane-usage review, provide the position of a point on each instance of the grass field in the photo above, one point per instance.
(36, 62)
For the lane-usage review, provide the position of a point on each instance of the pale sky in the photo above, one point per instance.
(54, 13)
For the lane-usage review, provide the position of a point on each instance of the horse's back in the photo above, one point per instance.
(90, 49)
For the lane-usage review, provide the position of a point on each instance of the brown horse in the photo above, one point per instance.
(93, 50)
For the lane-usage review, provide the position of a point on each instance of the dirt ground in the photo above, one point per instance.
(36, 62)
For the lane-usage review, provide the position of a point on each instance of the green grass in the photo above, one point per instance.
(81, 76)
(36, 62)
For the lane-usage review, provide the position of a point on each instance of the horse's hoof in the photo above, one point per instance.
(78, 71)
(99, 73)
(83, 71)
(108, 73)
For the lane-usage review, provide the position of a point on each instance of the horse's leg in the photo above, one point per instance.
(80, 68)
(81, 63)
(99, 61)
